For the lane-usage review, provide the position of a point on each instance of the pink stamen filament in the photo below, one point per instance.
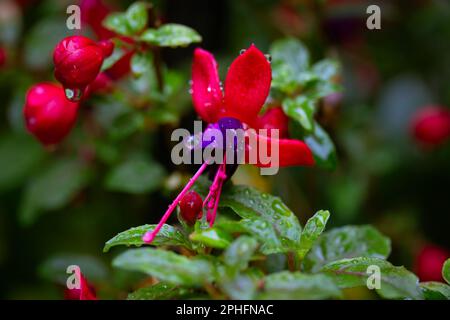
(212, 199)
(149, 236)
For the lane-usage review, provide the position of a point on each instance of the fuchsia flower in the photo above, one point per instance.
(247, 86)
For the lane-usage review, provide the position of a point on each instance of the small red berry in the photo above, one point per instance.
(431, 125)
(429, 262)
(191, 207)
(49, 116)
(78, 61)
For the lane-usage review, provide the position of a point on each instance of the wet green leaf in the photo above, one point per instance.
(446, 271)
(118, 23)
(301, 109)
(239, 253)
(160, 291)
(241, 286)
(141, 63)
(347, 242)
(171, 35)
(395, 282)
(136, 16)
(290, 64)
(136, 175)
(435, 290)
(322, 147)
(166, 266)
(264, 216)
(168, 235)
(312, 230)
(296, 285)
(212, 237)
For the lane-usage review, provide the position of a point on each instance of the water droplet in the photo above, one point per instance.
(191, 91)
(190, 83)
(242, 51)
(268, 57)
(209, 89)
(280, 208)
(73, 95)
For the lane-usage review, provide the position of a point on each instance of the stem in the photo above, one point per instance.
(150, 235)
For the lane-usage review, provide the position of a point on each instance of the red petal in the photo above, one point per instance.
(290, 152)
(247, 85)
(206, 92)
(86, 292)
(274, 118)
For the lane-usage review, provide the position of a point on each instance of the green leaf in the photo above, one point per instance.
(117, 54)
(20, 155)
(435, 290)
(241, 286)
(264, 216)
(395, 282)
(160, 291)
(296, 285)
(347, 242)
(312, 230)
(212, 237)
(171, 35)
(141, 63)
(239, 253)
(290, 64)
(52, 189)
(55, 268)
(326, 69)
(301, 109)
(167, 236)
(137, 17)
(118, 23)
(166, 266)
(446, 271)
(322, 147)
(135, 176)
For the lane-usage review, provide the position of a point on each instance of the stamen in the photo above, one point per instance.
(211, 202)
(150, 235)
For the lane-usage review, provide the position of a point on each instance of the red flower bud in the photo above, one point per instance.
(191, 207)
(122, 67)
(101, 84)
(2, 57)
(49, 116)
(86, 291)
(431, 125)
(429, 262)
(78, 61)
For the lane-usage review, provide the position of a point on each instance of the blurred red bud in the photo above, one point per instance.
(429, 262)
(49, 116)
(431, 125)
(2, 57)
(86, 291)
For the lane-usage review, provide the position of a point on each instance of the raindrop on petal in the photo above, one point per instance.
(73, 95)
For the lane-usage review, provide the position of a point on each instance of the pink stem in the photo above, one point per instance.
(150, 235)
